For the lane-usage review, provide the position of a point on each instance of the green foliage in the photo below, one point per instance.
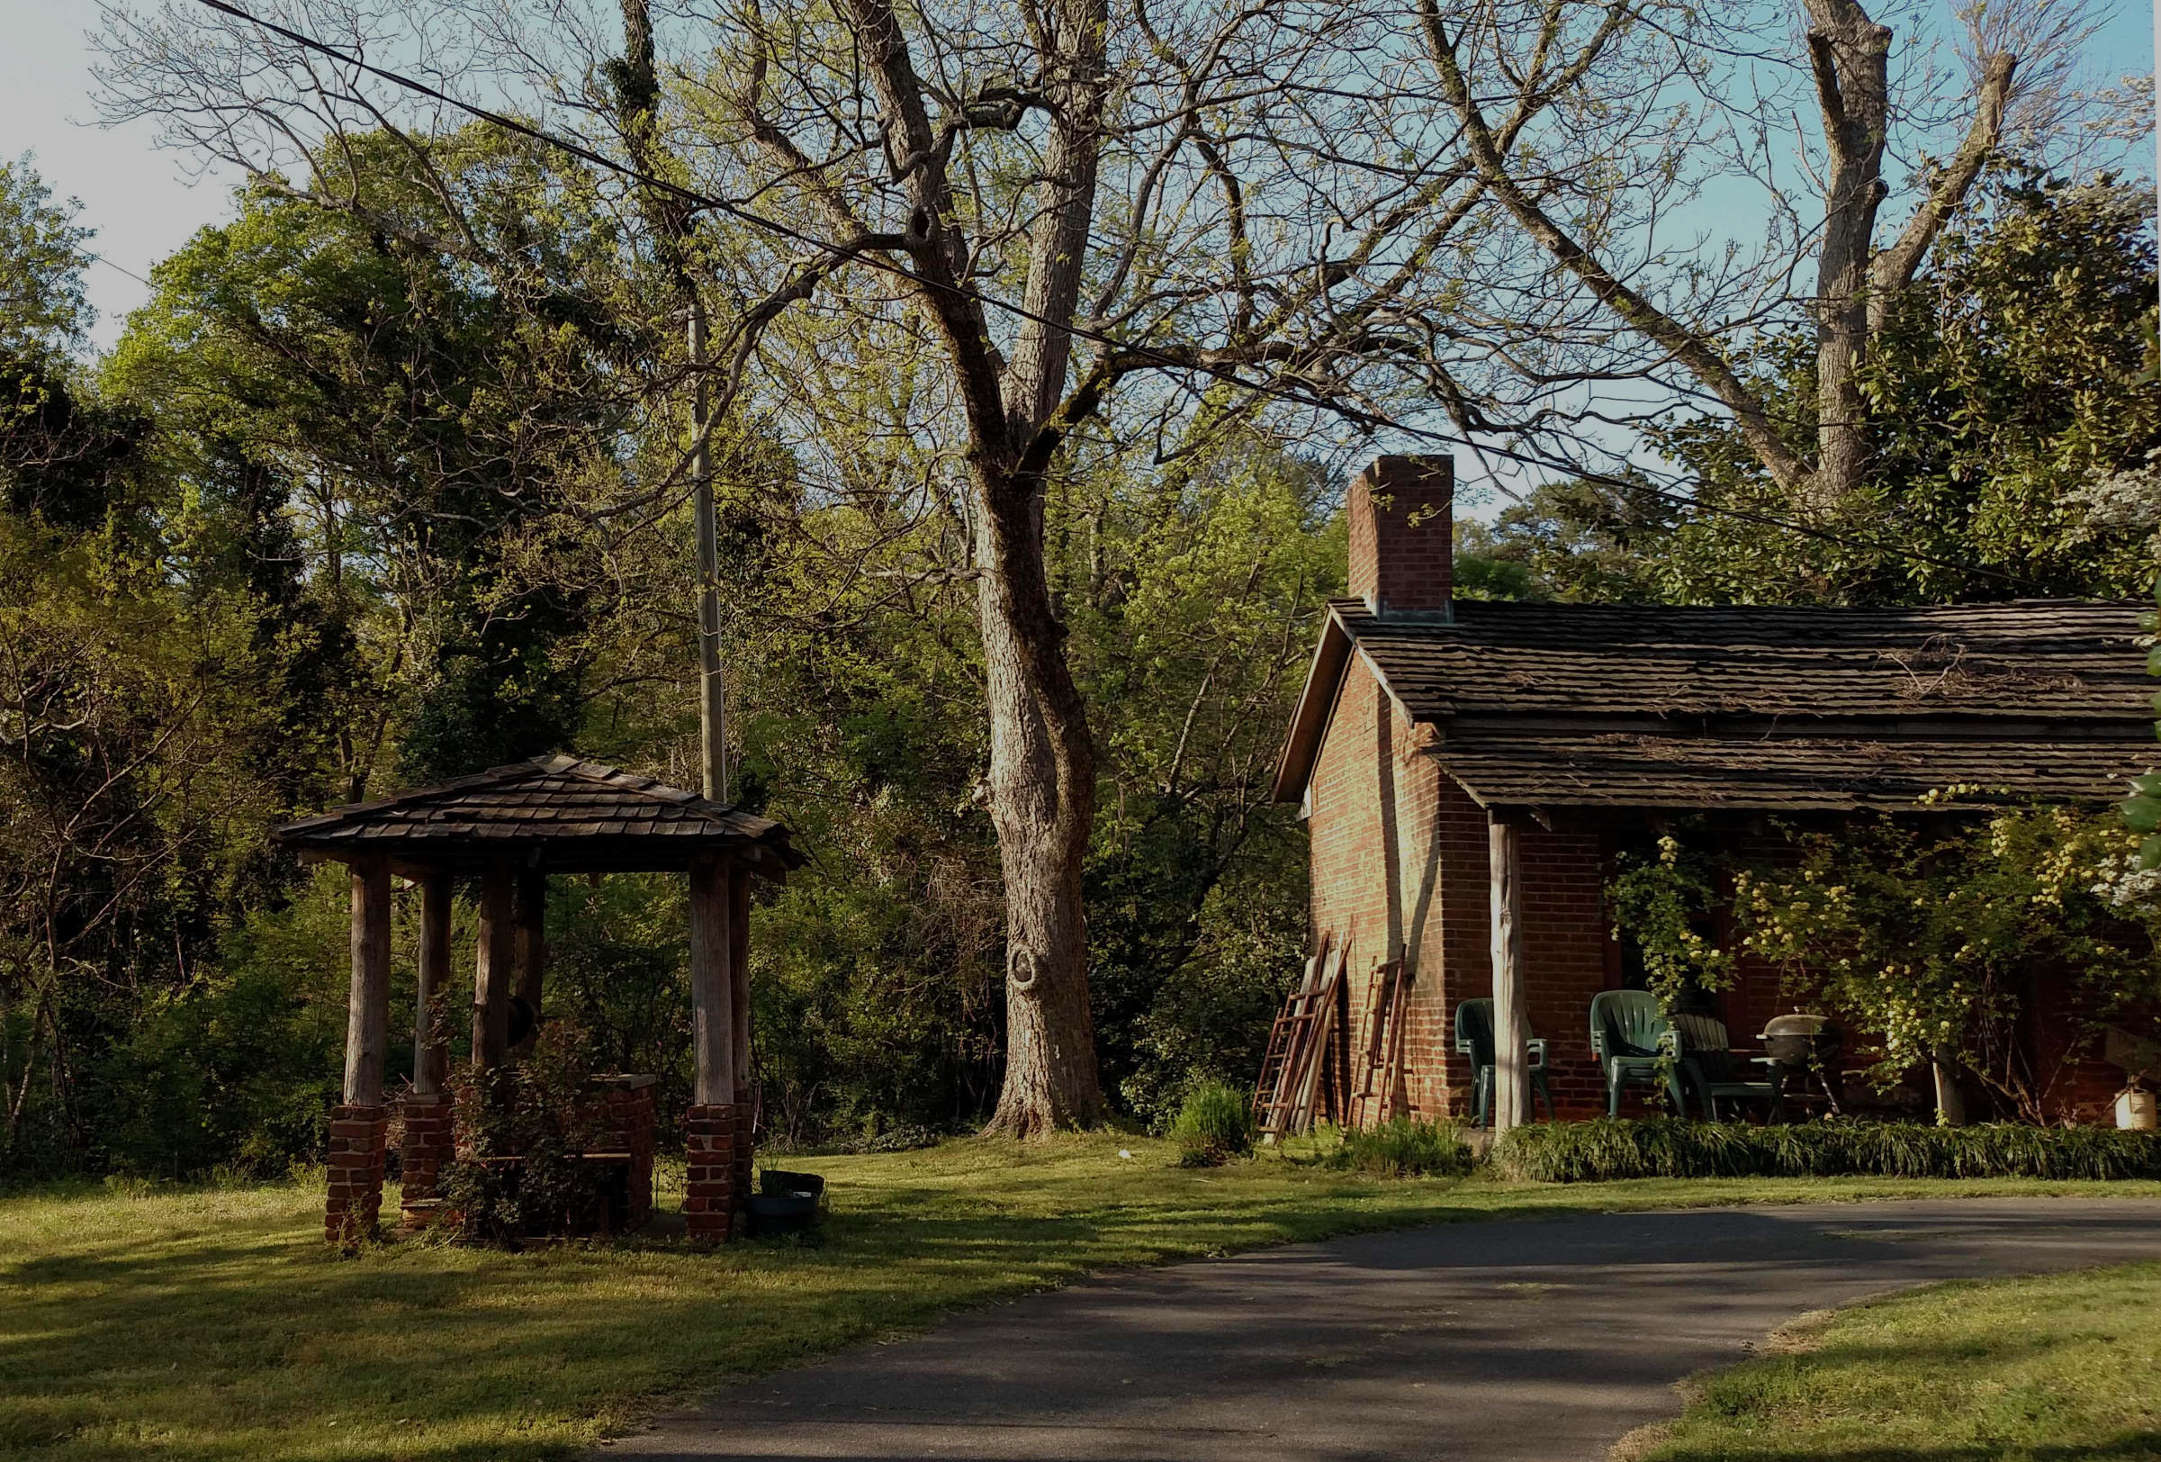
(2008, 428)
(1215, 1124)
(2013, 425)
(521, 1129)
(1610, 1149)
(43, 253)
(1664, 902)
(238, 1069)
(1932, 939)
(1575, 540)
(1191, 592)
(1404, 1148)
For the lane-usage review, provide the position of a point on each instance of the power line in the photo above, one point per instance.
(1158, 357)
(120, 269)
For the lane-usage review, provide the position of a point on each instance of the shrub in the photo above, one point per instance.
(522, 1129)
(1608, 1149)
(1403, 1149)
(1214, 1125)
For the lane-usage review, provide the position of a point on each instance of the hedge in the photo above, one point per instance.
(1607, 1149)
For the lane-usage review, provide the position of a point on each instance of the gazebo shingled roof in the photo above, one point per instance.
(553, 814)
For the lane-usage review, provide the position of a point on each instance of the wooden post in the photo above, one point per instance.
(367, 1010)
(428, 1144)
(739, 974)
(712, 1128)
(712, 989)
(431, 1042)
(1511, 1021)
(494, 969)
(739, 1011)
(532, 945)
(359, 1125)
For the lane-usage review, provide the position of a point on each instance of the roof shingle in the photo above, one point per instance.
(555, 812)
(1754, 706)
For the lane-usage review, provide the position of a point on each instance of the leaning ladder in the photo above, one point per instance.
(1387, 1014)
(1289, 1082)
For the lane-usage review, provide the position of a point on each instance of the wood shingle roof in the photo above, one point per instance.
(1754, 706)
(557, 813)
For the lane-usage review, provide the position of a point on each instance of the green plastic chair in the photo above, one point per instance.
(1635, 1043)
(1474, 1038)
(1721, 1078)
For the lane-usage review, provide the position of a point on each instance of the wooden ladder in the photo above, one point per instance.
(1387, 1013)
(1289, 1082)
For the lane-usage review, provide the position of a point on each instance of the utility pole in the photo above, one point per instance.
(712, 683)
(637, 88)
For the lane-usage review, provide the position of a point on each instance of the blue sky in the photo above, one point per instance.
(144, 203)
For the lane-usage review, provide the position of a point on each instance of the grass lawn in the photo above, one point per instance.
(2024, 1370)
(214, 1324)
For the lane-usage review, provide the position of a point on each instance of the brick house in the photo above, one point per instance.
(1455, 760)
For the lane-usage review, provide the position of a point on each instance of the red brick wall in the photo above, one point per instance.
(1376, 873)
(1564, 941)
(1402, 536)
(1400, 862)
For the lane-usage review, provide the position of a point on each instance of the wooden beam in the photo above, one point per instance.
(739, 969)
(712, 989)
(1511, 1021)
(367, 1008)
(494, 970)
(431, 1040)
(531, 916)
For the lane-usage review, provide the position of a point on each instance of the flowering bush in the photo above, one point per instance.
(1661, 899)
(1933, 939)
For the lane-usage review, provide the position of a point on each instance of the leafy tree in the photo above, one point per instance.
(2005, 392)
(1573, 540)
(43, 308)
(2013, 429)
(427, 430)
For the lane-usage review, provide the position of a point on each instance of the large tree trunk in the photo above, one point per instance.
(1850, 54)
(1042, 797)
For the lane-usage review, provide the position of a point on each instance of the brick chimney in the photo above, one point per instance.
(1403, 536)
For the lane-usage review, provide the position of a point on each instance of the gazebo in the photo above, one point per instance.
(505, 830)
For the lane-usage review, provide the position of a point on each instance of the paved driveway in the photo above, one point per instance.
(1542, 1340)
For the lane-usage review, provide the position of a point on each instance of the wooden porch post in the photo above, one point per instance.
(739, 975)
(494, 969)
(739, 1009)
(712, 987)
(431, 1042)
(367, 1007)
(359, 1124)
(532, 941)
(428, 1138)
(1511, 1021)
(710, 1128)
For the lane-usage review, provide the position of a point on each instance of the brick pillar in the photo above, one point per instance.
(745, 1151)
(356, 1173)
(709, 1134)
(427, 1147)
(1402, 536)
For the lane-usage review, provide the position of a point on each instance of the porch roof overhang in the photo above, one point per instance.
(1751, 708)
(553, 814)
(1620, 769)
